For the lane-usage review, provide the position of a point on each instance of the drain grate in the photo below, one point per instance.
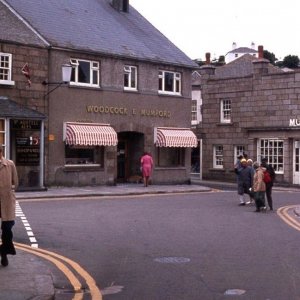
(234, 292)
(172, 260)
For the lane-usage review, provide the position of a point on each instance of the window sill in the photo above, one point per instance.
(7, 82)
(85, 86)
(82, 167)
(132, 90)
(161, 93)
(225, 124)
(170, 168)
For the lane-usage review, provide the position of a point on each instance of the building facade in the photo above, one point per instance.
(129, 92)
(256, 112)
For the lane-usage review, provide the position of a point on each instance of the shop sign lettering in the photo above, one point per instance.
(125, 111)
(294, 122)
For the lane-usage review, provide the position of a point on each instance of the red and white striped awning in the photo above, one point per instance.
(174, 137)
(90, 134)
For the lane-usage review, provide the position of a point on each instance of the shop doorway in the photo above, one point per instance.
(196, 161)
(129, 151)
(296, 162)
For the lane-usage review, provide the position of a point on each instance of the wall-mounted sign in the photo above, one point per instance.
(26, 124)
(294, 122)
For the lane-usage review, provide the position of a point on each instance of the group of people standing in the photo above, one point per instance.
(255, 180)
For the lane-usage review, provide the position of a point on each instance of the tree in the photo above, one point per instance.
(291, 61)
(270, 56)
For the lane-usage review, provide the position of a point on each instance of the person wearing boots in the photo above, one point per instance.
(8, 182)
(269, 185)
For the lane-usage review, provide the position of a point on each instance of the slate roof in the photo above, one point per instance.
(241, 67)
(94, 25)
(243, 50)
(14, 30)
(10, 108)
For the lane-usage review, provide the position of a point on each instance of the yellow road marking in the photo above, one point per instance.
(282, 212)
(53, 257)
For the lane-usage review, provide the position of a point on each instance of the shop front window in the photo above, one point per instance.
(75, 155)
(272, 150)
(170, 157)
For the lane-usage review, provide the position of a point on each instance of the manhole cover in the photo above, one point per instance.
(234, 292)
(172, 260)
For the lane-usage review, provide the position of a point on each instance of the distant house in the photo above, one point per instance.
(129, 92)
(237, 52)
(250, 106)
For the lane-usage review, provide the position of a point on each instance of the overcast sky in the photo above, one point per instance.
(197, 26)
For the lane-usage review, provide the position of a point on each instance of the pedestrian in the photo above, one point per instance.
(259, 187)
(250, 164)
(269, 185)
(8, 182)
(244, 181)
(147, 167)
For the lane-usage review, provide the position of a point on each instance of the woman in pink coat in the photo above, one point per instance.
(147, 167)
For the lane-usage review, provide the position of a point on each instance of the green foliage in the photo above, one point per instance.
(270, 56)
(291, 61)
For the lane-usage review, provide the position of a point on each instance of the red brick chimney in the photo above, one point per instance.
(207, 58)
(260, 51)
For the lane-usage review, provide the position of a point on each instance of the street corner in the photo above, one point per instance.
(290, 215)
(26, 277)
(45, 267)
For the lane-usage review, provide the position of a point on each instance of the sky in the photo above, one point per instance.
(197, 26)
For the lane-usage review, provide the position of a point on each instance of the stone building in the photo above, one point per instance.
(129, 92)
(250, 106)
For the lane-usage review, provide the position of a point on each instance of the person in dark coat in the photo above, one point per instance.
(269, 185)
(8, 182)
(245, 178)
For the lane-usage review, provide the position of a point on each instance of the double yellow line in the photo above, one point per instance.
(62, 263)
(283, 213)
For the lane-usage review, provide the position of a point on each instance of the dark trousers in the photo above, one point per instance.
(269, 195)
(7, 246)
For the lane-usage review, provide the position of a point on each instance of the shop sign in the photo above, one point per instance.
(27, 155)
(112, 110)
(26, 124)
(294, 122)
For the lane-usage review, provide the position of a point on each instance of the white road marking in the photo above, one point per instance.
(19, 213)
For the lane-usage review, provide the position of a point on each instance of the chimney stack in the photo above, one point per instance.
(207, 58)
(260, 51)
(121, 5)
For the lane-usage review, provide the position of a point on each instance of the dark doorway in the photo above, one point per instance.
(129, 151)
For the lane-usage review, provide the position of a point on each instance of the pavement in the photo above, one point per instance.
(29, 276)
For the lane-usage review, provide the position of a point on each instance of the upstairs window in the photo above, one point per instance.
(226, 111)
(169, 82)
(6, 69)
(130, 78)
(85, 73)
(194, 110)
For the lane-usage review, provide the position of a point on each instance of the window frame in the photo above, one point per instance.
(3, 133)
(94, 67)
(9, 80)
(216, 165)
(194, 111)
(225, 111)
(274, 158)
(129, 72)
(98, 158)
(238, 152)
(176, 84)
(179, 154)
